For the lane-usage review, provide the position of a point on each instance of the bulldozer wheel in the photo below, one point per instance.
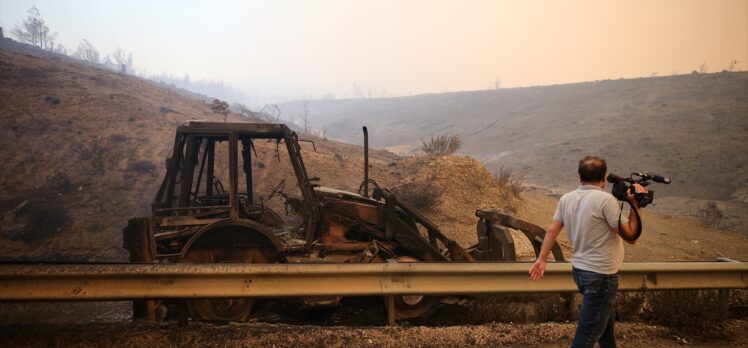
(415, 306)
(223, 309)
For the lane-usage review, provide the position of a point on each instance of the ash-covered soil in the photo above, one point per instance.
(489, 321)
(142, 334)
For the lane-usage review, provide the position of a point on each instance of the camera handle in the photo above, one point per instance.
(638, 226)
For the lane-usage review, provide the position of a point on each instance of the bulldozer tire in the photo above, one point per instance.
(223, 309)
(415, 306)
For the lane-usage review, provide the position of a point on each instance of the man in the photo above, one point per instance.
(591, 216)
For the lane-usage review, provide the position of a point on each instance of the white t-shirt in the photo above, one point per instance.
(588, 214)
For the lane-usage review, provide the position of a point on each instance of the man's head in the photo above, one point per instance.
(592, 169)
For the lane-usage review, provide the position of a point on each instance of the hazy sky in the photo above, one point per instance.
(405, 47)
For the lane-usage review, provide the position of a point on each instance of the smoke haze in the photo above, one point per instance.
(284, 50)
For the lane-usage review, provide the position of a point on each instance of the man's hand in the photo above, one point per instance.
(637, 189)
(537, 270)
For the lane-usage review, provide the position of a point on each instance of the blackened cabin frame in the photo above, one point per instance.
(190, 138)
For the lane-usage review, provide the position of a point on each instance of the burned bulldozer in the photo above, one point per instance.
(208, 209)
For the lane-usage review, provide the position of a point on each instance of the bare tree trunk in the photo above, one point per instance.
(306, 116)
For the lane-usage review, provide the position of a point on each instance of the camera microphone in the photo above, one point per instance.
(612, 178)
(660, 179)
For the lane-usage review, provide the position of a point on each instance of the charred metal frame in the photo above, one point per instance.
(197, 137)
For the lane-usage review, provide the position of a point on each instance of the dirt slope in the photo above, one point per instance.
(449, 189)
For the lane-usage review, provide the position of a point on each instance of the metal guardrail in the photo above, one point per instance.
(80, 282)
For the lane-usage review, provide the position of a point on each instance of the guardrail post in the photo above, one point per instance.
(137, 240)
(182, 313)
(569, 305)
(724, 303)
(724, 294)
(390, 310)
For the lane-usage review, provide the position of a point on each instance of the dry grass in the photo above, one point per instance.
(710, 214)
(419, 195)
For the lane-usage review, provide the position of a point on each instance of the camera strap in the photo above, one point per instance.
(638, 226)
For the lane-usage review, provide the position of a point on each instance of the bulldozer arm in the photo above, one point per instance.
(495, 242)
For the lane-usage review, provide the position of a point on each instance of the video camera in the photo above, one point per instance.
(621, 185)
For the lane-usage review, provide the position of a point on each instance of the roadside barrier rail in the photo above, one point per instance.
(97, 282)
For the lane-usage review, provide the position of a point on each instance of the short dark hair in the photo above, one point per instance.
(592, 169)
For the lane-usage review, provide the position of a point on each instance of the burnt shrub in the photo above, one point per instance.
(52, 100)
(418, 195)
(46, 219)
(164, 110)
(118, 138)
(95, 155)
(142, 167)
(509, 181)
(630, 306)
(61, 183)
(95, 227)
(41, 219)
(445, 144)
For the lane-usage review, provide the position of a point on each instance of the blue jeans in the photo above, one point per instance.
(597, 316)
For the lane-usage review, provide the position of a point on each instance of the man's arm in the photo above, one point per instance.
(538, 269)
(629, 228)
